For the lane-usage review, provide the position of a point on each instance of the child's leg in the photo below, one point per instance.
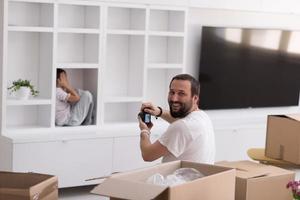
(89, 116)
(80, 110)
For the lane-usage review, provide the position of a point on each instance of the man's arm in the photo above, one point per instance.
(167, 116)
(151, 152)
(157, 111)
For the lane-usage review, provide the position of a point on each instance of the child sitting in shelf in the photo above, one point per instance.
(73, 106)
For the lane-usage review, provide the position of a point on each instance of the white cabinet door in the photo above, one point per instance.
(73, 161)
(127, 154)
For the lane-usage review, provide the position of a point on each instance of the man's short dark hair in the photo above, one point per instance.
(195, 85)
(58, 72)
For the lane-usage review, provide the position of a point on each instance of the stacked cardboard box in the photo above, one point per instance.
(283, 138)
(28, 186)
(256, 181)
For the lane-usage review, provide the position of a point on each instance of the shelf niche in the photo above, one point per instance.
(158, 81)
(126, 18)
(123, 73)
(30, 57)
(164, 20)
(30, 14)
(78, 48)
(78, 16)
(85, 79)
(165, 49)
(28, 117)
(122, 112)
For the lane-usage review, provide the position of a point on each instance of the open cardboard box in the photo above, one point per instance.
(256, 181)
(283, 137)
(218, 183)
(28, 186)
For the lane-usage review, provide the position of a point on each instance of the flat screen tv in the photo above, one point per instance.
(243, 67)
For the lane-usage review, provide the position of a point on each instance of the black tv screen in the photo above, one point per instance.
(242, 68)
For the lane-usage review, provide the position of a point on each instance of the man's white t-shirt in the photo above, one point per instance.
(62, 107)
(190, 138)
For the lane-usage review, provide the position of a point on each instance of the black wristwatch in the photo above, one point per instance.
(160, 112)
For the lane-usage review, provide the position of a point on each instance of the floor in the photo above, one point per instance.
(79, 193)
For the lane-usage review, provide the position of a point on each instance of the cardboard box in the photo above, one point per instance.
(283, 137)
(218, 183)
(28, 186)
(256, 181)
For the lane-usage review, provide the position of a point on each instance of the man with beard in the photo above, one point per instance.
(190, 135)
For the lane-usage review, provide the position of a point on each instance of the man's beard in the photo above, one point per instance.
(183, 111)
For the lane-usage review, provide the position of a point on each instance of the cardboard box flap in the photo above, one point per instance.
(44, 188)
(250, 174)
(126, 189)
(243, 165)
(246, 169)
(294, 116)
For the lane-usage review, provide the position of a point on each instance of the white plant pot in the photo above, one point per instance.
(23, 93)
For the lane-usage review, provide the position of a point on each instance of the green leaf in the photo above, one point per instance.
(22, 83)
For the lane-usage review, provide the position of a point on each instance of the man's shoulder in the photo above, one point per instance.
(197, 114)
(178, 124)
(194, 117)
(198, 118)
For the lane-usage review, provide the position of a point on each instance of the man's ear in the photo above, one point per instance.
(196, 98)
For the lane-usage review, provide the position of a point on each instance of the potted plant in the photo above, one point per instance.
(22, 89)
(294, 185)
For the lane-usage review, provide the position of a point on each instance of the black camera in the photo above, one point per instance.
(146, 117)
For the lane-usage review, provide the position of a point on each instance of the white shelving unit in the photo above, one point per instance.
(123, 54)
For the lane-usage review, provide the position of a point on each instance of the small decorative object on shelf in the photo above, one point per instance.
(22, 89)
(294, 185)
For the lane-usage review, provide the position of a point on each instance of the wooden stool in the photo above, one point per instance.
(258, 154)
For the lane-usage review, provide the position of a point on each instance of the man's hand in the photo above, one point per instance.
(157, 112)
(144, 126)
(150, 108)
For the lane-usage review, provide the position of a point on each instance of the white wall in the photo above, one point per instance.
(157, 2)
(234, 18)
(237, 130)
(276, 6)
(199, 17)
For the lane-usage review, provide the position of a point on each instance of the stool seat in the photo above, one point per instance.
(258, 154)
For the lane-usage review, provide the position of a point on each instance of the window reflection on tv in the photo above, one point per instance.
(242, 68)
